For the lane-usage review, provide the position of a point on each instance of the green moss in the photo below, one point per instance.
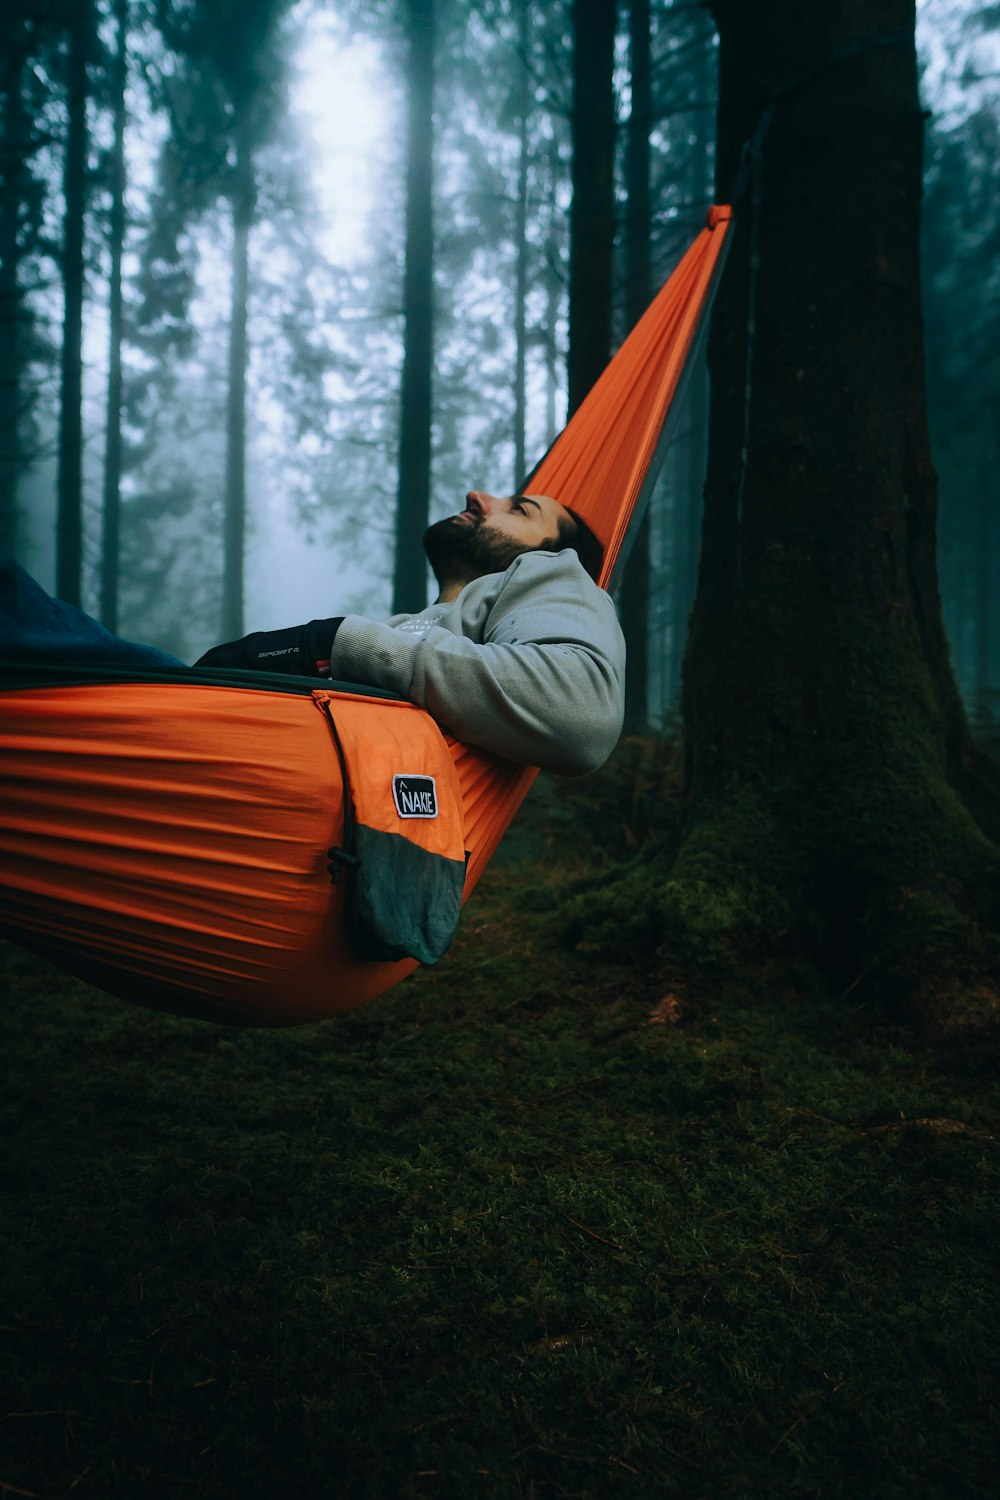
(495, 1235)
(863, 842)
(726, 879)
(884, 790)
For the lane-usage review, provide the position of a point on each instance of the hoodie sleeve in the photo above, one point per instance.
(544, 686)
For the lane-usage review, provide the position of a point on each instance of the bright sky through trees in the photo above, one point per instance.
(346, 100)
(960, 56)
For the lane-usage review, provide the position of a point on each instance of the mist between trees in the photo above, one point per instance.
(279, 282)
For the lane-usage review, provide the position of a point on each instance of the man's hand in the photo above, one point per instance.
(301, 650)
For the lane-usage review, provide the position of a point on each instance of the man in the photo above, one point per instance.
(521, 654)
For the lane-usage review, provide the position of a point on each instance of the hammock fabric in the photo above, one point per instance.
(165, 834)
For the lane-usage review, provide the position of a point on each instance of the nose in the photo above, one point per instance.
(485, 503)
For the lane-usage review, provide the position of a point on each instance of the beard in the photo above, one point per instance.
(459, 551)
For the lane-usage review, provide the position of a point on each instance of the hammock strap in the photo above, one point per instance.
(668, 431)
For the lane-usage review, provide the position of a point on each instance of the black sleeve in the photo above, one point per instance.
(301, 650)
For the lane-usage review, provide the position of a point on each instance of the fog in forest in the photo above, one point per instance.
(500, 1054)
(236, 179)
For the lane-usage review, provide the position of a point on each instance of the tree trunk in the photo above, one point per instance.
(553, 300)
(983, 580)
(113, 432)
(234, 521)
(990, 485)
(636, 582)
(834, 802)
(693, 448)
(409, 589)
(592, 223)
(521, 249)
(13, 313)
(69, 537)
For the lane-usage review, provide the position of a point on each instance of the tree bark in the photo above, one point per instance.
(409, 589)
(113, 431)
(592, 224)
(638, 288)
(693, 448)
(984, 571)
(521, 249)
(834, 802)
(69, 538)
(234, 521)
(554, 286)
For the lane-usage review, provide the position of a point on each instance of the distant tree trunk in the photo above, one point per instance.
(638, 275)
(990, 485)
(553, 299)
(409, 590)
(12, 310)
(983, 578)
(69, 538)
(113, 432)
(834, 803)
(592, 222)
(636, 582)
(234, 521)
(692, 448)
(521, 247)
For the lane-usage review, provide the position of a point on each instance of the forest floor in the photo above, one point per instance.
(535, 1224)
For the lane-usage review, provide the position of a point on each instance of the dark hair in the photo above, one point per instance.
(575, 534)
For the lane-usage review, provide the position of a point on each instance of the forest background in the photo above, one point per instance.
(210, 277)
(645, 1189)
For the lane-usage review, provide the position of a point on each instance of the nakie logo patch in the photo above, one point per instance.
(415, 796)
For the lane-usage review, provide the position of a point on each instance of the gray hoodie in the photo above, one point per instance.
(529, 663)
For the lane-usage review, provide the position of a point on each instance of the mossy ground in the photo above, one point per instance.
(513, 1230)
(893, 879)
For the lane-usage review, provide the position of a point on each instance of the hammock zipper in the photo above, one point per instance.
(341, 858)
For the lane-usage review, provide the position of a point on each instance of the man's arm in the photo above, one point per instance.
(303, 650)
(545, 686)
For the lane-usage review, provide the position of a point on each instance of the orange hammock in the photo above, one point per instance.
(164, 834)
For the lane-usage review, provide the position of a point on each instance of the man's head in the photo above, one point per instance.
(491, 532)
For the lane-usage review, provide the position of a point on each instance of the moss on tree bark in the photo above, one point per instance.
(833, 796)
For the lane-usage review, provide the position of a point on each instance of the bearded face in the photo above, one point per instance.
(461, 548)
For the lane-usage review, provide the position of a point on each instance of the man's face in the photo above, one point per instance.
(489, 534)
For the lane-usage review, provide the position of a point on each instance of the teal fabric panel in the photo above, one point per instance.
(404, 902)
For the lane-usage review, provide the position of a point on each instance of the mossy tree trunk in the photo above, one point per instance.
(834, 801)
